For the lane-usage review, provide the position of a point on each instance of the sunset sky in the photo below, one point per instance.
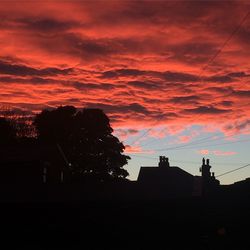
(173, 76)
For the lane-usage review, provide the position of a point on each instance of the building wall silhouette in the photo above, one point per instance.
(173, 181)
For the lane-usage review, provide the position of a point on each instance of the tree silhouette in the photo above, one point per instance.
(7, 132)
(20, 121)
(86, 139)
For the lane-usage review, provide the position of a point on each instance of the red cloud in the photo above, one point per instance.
(216, 152)
(136, 150)
(204, 151)
(141, 65)
(185, 138)
(124, 134)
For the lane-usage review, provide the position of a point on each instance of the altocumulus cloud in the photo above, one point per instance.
(137, 61)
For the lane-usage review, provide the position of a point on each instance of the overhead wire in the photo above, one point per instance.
(204, 140)
(217, 176)
(201, 141)
(211, 145)
(231, 171)
(203, 69)
(189, 162)
(227, 41)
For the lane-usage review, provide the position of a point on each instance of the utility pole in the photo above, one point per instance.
(65, 160)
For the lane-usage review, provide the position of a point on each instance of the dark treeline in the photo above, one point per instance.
(84, 137)
(99, 208)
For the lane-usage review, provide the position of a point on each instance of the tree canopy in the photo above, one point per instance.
(86, 139)
(7, 131)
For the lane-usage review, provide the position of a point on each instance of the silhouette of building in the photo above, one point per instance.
(165, 180)
(239, 189)
(209, 182)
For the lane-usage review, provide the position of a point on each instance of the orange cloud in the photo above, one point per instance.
(203, 151)
(185, 138)
(137, 150)
(141, 65)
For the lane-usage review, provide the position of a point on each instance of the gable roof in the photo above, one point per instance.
(162, 174)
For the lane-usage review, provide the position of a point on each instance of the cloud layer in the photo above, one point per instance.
(142, 62)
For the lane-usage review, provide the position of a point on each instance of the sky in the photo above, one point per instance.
(173, 76)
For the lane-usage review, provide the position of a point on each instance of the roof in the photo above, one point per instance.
(163, 174)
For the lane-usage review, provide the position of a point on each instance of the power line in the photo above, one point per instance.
(144, 144)
(137, 139)
(207, 64)
(146, 132)
(62, 154)
(211, 145)
(202, 140)
(226, 41)
(189, 162)
(228, 172)
(217, 176)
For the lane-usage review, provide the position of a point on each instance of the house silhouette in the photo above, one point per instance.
(171, 181)
(208, 181)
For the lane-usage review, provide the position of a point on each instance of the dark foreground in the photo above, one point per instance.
(173, 224)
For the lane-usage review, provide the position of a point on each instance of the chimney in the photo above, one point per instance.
(160, 161)
(163, 161)
(203, 161)
(166, 162)
(207, 162)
